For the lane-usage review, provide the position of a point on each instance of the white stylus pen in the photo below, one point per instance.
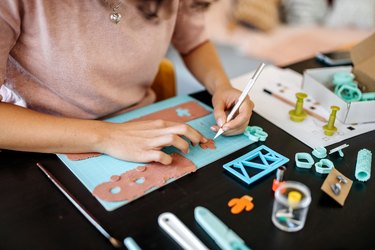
(242, 97)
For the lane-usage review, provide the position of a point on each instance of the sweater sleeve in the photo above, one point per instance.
(190, 28)
(10, 27)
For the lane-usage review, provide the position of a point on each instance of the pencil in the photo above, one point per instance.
(283, 99)
(116, 243)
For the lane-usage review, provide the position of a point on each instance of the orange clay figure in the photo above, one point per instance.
(239, 204)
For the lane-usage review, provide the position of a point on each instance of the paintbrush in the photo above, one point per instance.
(116, 243)
(242, 97)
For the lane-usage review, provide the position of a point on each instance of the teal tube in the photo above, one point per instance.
(363, 165)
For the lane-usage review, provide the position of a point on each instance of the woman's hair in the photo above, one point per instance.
(150, 8)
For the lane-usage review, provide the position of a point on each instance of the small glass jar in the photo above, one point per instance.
(292, 200)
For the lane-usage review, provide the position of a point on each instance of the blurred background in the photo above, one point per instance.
(279, 32)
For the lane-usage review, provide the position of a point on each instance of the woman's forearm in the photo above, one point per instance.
(204, 63)
(26, 130)
(139, 141)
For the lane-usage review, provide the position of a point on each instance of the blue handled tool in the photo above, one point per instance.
(224, 237)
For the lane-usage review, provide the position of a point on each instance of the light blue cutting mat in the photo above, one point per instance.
(94, 171)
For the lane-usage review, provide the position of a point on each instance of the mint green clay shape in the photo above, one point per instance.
(319, 152)
(255, 133)
(352, 84)
(369, 96)
(349, 93)
(304, 160)
(324, 166)
(363, 165)
(182, 112)
(340, 78)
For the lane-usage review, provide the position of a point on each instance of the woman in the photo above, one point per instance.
(73, 62)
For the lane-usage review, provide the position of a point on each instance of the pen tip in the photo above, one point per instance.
(218, 133)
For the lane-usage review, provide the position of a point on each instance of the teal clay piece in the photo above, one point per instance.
(363, 165)
(340, 78)
(347, 89)
(255, 133)
(349, 93)
(324, 166)
(320, 152)
(304, 160)
(369, 96)
(351, 84)
(343, 78)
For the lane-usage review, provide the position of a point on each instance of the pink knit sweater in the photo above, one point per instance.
(65, 57)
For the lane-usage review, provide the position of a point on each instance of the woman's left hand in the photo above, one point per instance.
(223, 101)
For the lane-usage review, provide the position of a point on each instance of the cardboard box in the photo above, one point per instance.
(318, 84)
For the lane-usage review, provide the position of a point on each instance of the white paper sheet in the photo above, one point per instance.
(287, 83)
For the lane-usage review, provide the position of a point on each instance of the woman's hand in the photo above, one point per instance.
(203, 61)
(223, 100)
(142, 141)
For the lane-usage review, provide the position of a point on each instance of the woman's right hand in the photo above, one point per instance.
(142, 141)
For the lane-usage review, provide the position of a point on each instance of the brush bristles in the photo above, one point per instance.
(115, 242)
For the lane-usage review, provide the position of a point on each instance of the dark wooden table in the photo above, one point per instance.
(35, 215)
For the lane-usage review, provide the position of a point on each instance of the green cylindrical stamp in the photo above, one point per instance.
(329, 128)
(298, 114)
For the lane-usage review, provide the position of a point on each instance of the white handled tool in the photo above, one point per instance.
(179, 232)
